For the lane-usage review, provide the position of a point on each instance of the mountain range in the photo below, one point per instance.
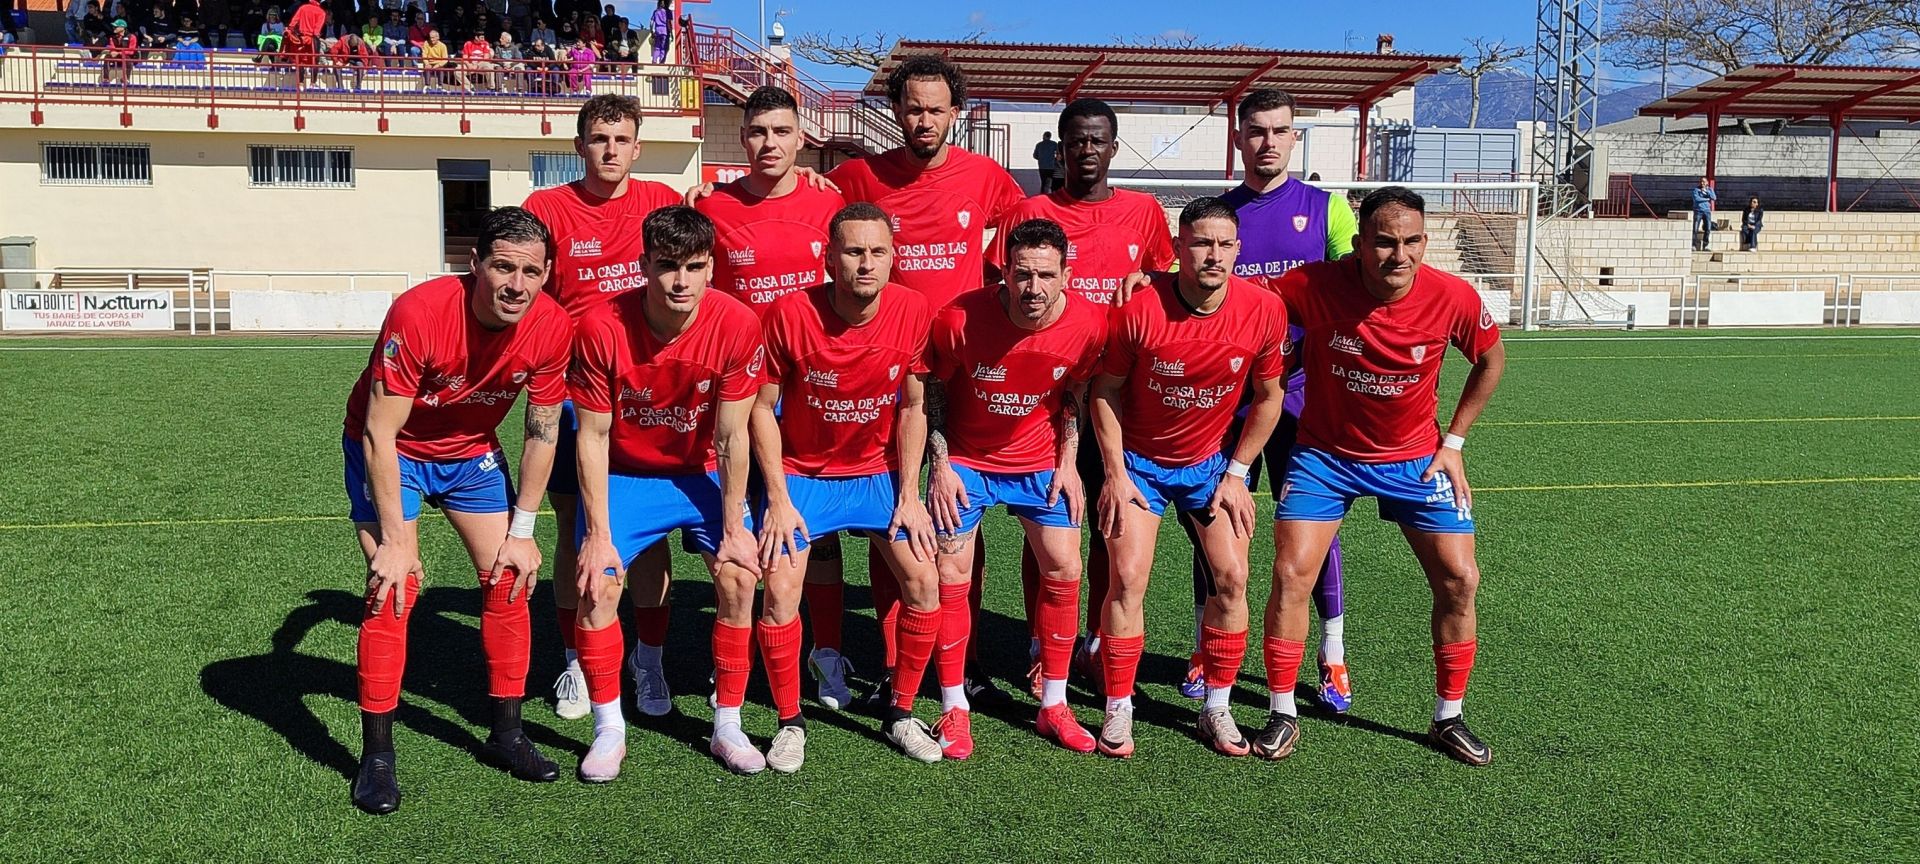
(1506, 98)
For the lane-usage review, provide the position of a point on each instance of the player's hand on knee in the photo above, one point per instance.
(913, 518)
(1119, 494)
(1067, 484)
(946, 497)
(1232, 500)
(1453, 464)
(737, 548)
(599, 563)
(387, 576)
(777, 531)
(519, 560)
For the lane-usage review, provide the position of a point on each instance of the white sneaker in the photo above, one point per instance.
(570, 694)
(602, 762)
(650, 693)
(731, 747)
(788, 750)
(914, 739)
(831, 670)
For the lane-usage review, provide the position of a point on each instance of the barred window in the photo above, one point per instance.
(555, 168)
(96, 164)
(302, 167)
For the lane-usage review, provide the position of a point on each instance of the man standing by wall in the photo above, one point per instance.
(1703, 200)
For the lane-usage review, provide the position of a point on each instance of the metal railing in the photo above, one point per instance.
(827, 115)
(213, 80)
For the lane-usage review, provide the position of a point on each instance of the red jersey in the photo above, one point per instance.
(1004, 383)
(663, 395)
(462, 377)
(596, 241)
(1374, 368)
(766, 248)
(1106, 240)
(1185, 371)
(940, 215)
(840, 383)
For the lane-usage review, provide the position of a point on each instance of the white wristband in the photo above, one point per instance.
(521, 525)
(1237, 468)
(1453, 442)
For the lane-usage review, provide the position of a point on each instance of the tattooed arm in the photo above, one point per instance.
(1066, 468)
(537, 454)
(946, 495)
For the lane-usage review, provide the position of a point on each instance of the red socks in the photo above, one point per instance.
(732, 663)
(886, 602)
(956, 628)
(1452, 663)
(506, 636)
(1120, 655)
(600, 652)
(1283, 662)
(1030, 591)
(383, 651)
(1058, 614)
(568, 620)
(650, 625)
(1221, 654)
(780, 651)
(826, 605)
(918, 630)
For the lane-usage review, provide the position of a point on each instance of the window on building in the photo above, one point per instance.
(96, 164)
(555, 169)
(303, 167)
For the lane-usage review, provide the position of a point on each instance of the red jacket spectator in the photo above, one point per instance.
(303, 29)
(476, 49)
(350, 50)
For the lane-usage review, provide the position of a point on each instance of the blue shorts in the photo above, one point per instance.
(1187, 488)
(1321, 486)
(1025, 496)
(643, 510)
(565, 479)
(477, 485)
(829, 504)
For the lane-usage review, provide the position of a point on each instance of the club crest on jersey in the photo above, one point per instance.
(587, 247)
(520, 377)
(1234, 364)
(1286, 347)
(1419, 353)
(1133, 251)
(704, 385)
(966, 218)
(1486, 320)
(1299, 224)
(1350, 344)
(740, 257)
(1058, 372)
(896, 223)
(759, 360)
(815, 246)
(893, 371)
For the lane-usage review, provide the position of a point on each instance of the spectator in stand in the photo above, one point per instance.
(273, 27)
(580, 58)
(76, 20)
(215, 23)
(1703, 199)
(1752, 220)
(95, 28)
(622, 47)
(434, 59)
(1046, 155)
(591, 34)
(417, 31)
(350, 55)
(540, 75)
(302, 39)
(608, 16)
(476, 63)
(122, 49)
(662, 30)
(187, 50)
(253, 21)
(158, 36)
(507, 58)
(569, 32)
(519, 13)
(9, 35)
(374, 35)
(540, 31)
(338, 26)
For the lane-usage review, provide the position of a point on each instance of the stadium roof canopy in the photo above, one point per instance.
(1040, 72)
(1780, 91)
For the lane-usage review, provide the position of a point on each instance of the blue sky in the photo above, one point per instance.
(1424, 27)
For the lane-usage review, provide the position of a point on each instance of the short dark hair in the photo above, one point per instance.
(678, 233)
(607, 108)
(514, 225)
(1266, 100)
(1207, 208)
(1037, 234)
(1387, 196)
(766, 99)
(1088, 107)
(927, 66)
(859, 211)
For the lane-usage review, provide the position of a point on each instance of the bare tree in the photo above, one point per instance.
(1484, 57)
(858, 52)
(1719, 36)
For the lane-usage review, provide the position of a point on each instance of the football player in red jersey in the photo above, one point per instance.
(1114, 236)
(772, 241)
(595, 222)
(848, 360)
(665, 379)
(1181, 350)
(1375, 327)
(1012, 362)
(942, 200)
(452, 356)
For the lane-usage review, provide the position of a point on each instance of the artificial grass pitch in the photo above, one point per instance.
(1681, 658)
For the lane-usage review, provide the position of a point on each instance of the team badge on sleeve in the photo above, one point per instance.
(520, 377)
(392, 348)
(1486, 319)
(759, 360)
